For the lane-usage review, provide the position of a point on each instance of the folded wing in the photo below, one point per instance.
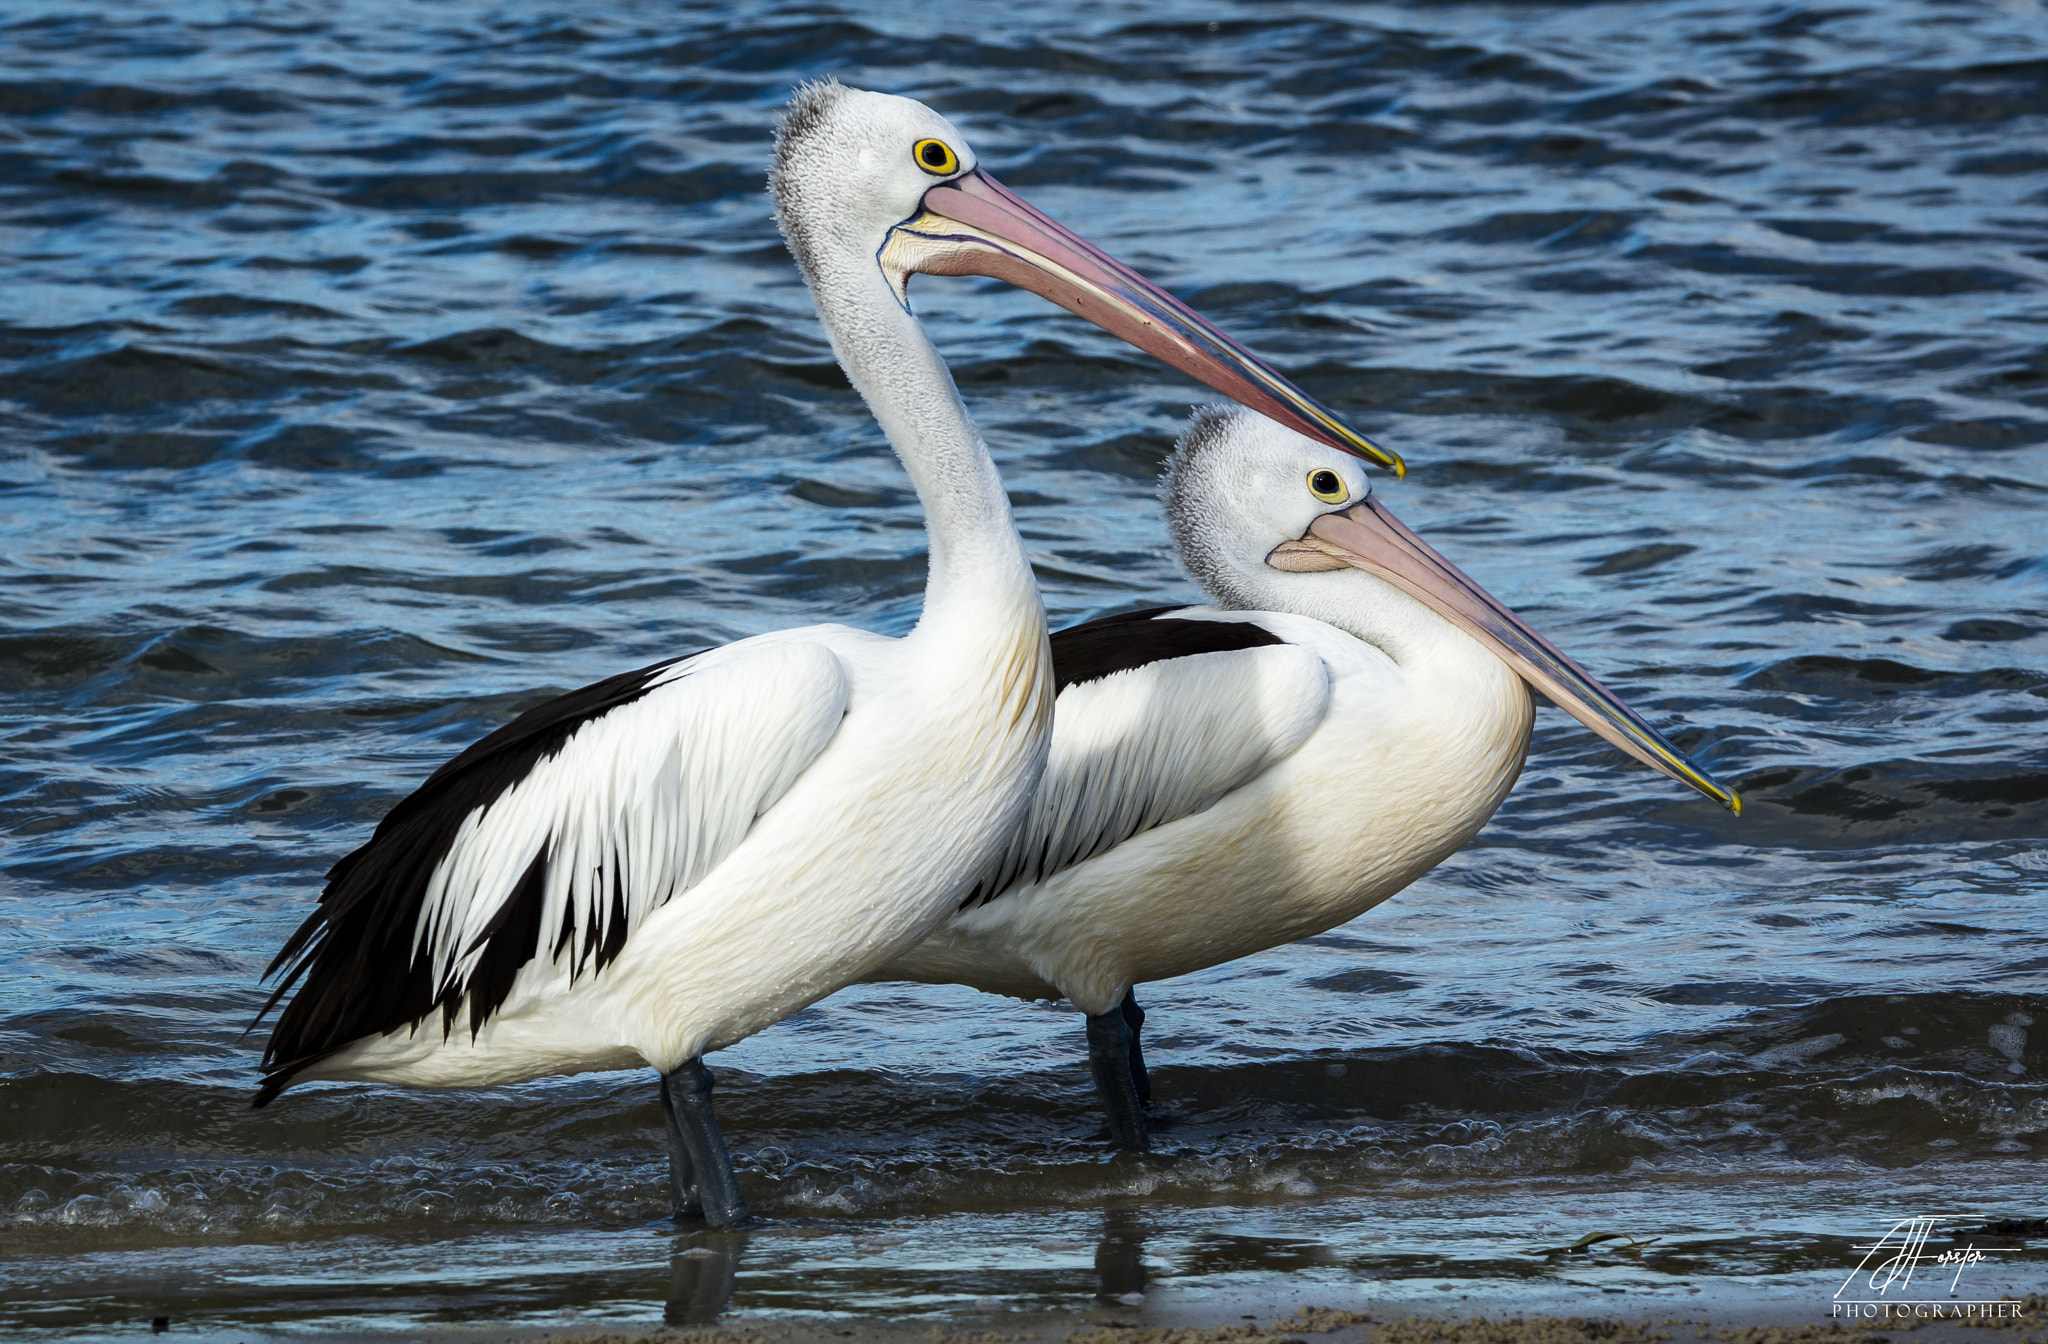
(1158, 717)
(555, 836)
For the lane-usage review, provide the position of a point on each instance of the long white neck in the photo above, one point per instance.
(978, 564)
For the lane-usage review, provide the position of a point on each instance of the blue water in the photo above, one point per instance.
(371, 371)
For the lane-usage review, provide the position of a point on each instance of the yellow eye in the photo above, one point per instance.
(1327, 486)
(935, 157)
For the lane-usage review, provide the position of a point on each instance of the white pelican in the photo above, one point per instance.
(667, 861)
(1226, 779)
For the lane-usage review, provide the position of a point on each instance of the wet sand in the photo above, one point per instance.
(1212, 1321)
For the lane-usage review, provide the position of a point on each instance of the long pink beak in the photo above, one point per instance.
(1368, 537)
(973, 225)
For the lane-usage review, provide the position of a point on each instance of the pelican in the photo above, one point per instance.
(1225, 779)
(665, 862)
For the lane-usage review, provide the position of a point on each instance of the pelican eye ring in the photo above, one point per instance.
(1327, 486)
(935, 157)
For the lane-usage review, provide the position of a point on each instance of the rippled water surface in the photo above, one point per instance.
(370, 372)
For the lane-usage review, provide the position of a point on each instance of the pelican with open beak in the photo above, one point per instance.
(1229, 778)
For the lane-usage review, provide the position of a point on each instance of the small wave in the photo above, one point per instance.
(1867, 1082)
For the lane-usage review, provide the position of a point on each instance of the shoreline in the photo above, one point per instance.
(1214, 1320)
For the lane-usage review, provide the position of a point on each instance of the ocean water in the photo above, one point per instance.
(371, 371)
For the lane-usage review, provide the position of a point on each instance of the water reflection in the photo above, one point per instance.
(1120, 1256)
(701, 1276)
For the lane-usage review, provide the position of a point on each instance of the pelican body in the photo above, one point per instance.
(665, 862)
(1226, 779)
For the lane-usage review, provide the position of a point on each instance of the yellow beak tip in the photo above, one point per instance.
(1734, 802)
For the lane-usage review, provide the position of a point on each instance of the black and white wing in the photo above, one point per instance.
(1159, 715)
(554, 836)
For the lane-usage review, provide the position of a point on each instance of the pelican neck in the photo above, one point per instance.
(977, 558)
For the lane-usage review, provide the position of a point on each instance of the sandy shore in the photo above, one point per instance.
(2021, 1321)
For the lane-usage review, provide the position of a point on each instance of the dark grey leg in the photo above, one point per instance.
(1110, 1041)
(684, 1200)
(700, 1168)
(1141, 1082)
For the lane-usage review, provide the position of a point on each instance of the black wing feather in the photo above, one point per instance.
(352, 959)
(1111, 644)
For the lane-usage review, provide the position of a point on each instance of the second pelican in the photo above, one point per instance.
(1227, 779)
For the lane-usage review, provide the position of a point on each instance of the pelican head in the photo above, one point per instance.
(850, 165)
(1262, 516)
(869, 186)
